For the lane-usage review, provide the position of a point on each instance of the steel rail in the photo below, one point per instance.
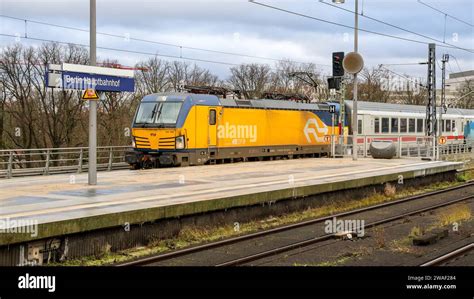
(448, 256)
(304, 243)
(229, 241)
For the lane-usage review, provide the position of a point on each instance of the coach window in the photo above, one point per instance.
(377, 125)
(443, 126)
(403, 125)
(385, 124)
(359, 126)
(419, 125)
(453, 125)
(411, 125)
(394, 125)
(212, 117)
(448, 125)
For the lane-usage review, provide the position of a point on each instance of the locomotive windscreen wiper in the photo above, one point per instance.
(153, 112)
(152, 116)
(159, 112)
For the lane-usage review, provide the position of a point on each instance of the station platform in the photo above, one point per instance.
(64, 204)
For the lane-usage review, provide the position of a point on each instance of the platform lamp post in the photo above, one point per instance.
(92, 175)
(353, 64)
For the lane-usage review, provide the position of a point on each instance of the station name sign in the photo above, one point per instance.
(82, 77)
(81, 81)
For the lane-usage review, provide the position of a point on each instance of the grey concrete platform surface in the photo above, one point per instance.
(64, 204)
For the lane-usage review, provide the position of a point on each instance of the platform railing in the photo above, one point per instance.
(452, 151)
(44, 161)
(406, 147)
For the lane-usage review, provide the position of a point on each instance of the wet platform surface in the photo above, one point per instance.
(49, 199)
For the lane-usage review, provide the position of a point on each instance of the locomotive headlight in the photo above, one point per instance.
(180, 142)
(133, 142)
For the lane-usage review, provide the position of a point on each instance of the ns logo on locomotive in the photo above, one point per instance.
(181, 129)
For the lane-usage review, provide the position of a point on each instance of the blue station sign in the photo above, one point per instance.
(81, 77)
(82, 81)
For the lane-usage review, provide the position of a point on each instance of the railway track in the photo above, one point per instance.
(256, 256)
(440, 260)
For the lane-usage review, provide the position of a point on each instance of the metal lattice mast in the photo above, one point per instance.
(430, 122)
(443, 87)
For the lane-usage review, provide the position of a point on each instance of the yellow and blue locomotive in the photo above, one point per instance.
(181, 129)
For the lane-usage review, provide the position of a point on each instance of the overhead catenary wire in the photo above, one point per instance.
(403, 76)
(130, 51)
(457, 63)
(193, 48)
(408, 63)
(351, 27)
(397, 27)
(445, 13)
(180, 47)
(121, 50)
(459, 67)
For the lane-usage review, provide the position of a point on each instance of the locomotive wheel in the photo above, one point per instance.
(135, 166)
(147, 164)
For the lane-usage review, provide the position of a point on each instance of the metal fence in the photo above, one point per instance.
(23, 162)
(406, 147)
(457, 152)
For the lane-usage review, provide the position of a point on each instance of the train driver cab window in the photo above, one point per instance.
(157, 114)
(443, 126)
(167, 113)
(377, 125)
(419, 125)
(385, 124)
(453, 125)
(411, 125)
(448, 125)
(394, 125)
(146, 113)
(212, 117)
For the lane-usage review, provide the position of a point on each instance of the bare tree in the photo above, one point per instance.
(183, 73)
(252, 79)
(372, 86)
(3, 98)
(412, 95)
(465, 94)
(199, 76)
(151, 76)
(282, 79)
(115, 117)
(297, 78)
(17, 65)
(61, 109)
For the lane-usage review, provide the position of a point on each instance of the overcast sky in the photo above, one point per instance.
(242, 27)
